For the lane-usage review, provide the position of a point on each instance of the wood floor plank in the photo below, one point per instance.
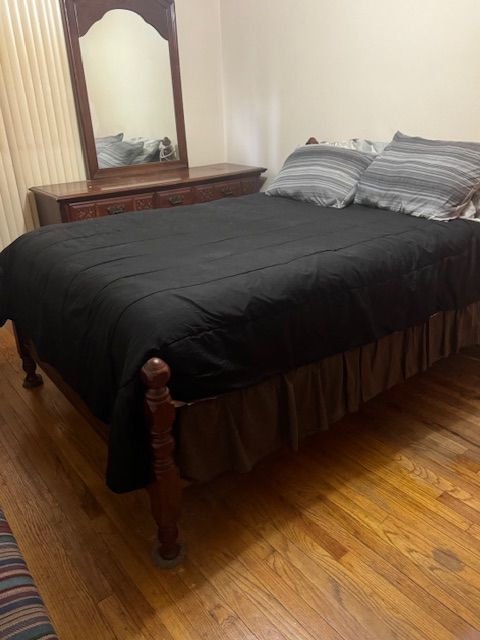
(408, 530)
(371, 531)
(292, 538)
(257, 562)
(428, 466)
(400, 504)
(119, 619)
(376, 542)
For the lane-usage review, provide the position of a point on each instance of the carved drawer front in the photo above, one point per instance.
(174, 198)
(114, 206)
(217, 190)
(144, 201)
(205, 193)
(251, 185)
(84, 211)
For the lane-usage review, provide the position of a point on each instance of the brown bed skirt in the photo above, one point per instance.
(234, 431)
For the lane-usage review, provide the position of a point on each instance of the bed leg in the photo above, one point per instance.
(32, 378)
(165, 490)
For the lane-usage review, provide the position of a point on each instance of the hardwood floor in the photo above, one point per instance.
(369, 533)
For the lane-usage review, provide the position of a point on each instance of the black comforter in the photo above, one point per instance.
(227, 293)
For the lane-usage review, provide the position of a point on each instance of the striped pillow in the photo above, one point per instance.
(324, 175)
(101, 142)
(429, 178)
(118, 154)
(151, 150)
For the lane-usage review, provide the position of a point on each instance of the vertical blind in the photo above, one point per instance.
(39, 140)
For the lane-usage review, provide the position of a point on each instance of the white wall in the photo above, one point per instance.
(200, 48)
(336, 69)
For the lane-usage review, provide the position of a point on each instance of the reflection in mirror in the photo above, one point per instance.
(127, 71)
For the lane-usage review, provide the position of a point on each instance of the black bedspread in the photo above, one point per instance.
(227, 293)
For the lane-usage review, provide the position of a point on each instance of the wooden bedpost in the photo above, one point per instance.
(32, 379)
(165, 490)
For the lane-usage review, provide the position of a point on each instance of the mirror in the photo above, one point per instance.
(125, 70)
(133, 114)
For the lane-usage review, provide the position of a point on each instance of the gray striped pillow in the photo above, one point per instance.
(118, 154)
(326, 176)
(101, 142)
(429, 178)
(151, 150)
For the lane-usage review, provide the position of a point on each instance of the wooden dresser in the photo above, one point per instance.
(75, 201)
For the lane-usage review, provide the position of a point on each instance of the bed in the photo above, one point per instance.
(267, 317)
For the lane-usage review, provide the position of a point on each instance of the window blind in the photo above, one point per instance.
(39, 140)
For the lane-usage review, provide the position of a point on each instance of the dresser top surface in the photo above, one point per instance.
(172, 178)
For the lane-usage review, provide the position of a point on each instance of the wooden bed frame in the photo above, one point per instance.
(160, 413)
(165, 489)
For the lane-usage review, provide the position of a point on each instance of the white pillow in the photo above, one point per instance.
(358, 144)
(472, 212)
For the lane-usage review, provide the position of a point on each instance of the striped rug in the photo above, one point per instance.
(22, 613)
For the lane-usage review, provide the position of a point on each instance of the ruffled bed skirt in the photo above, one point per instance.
(234, 431)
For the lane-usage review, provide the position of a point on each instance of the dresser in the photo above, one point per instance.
(86, 199)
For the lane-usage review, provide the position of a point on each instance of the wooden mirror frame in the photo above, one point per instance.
(79, 16)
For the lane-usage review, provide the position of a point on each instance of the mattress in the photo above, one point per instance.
(229, 293)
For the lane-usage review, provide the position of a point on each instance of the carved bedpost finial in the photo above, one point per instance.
(155, 373)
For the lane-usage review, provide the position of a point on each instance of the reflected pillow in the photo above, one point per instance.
(429, 178)
(151, 150)
(321, 174)
(101, 142)
(118, 154)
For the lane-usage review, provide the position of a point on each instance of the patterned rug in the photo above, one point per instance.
(22, 613)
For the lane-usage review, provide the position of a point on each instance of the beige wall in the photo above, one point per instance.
(347, 68)
(200, 46)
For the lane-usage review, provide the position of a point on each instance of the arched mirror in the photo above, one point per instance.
(126, 78)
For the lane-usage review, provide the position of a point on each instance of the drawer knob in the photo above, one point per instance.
(176, 200)
(115, 209)
(227, 191)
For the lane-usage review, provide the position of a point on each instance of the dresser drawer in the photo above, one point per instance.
(84, 211)
(217, 190)
(174, 198)
(144, 202)
(112, 206)
(251, 185)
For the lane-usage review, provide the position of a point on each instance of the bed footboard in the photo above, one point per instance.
(165, 490)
